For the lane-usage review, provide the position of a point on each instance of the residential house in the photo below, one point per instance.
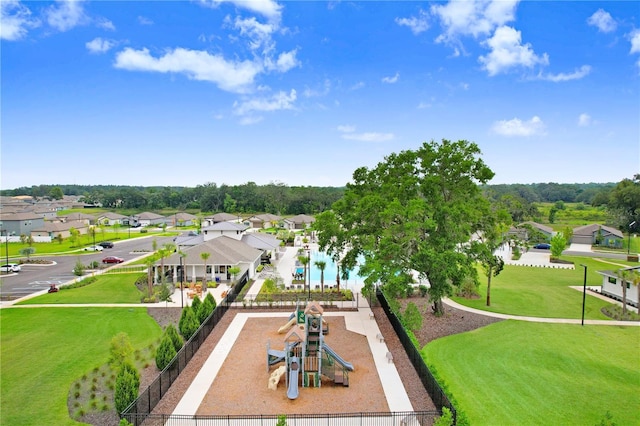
(111, 219)
(612, 284)
(53, 229)
(182, 219)
(147, 219)
(263, 221)
(524, 231)
(301, 221)
(221, 217)
(268, 243)
(20, 223)
(224, 253)
(72, 217)
(229, 229)
(597, 234)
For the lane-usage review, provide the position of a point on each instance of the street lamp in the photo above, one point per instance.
(181, 280)
(584, 290)
(629, 244)
(308, 250)
(6, 246)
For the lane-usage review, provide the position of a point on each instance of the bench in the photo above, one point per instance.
(389, 357)
(380, 337)
(371, 316)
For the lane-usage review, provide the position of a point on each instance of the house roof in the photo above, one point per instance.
(261, 241)
(223, 251)
(301, 218)
(594, 227)
(543, 228)
(148, 216)
(267, 217)
(185, 216)
(224, 217)
(614, 274)
(227, 226)
(79, 216)
(61, 226)
(112, 216)
(189, 240)
(19, 216)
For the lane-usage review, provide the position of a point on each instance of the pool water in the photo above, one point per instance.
(353, 283)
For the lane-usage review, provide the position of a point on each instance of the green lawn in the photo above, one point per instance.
(520, 373)
(542, 292)
(108, 288)
(44, 350)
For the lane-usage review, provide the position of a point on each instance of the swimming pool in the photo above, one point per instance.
(355, 281)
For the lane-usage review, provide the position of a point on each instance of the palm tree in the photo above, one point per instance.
(204, 256)
(165, 251)
(635, 276)
(624, 275)
(305, 261)
(321, 264)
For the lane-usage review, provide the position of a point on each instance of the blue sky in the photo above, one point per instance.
(185, 93)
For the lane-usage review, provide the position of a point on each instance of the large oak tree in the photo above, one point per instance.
(415, 211)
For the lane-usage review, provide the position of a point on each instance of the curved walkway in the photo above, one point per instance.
(456, 305)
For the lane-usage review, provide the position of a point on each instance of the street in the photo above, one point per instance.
(36, 277)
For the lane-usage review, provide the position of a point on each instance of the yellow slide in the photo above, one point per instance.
(274, 379)
(288, 325)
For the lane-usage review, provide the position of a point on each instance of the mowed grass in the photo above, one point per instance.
(521, 373)
(542, 292)
(44, 350)
(115, 288)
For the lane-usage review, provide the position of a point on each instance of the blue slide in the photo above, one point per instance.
(337, 357)
(275, 356)
(294, 369)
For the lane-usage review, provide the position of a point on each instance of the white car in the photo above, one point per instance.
(93, 248)
(10, 267)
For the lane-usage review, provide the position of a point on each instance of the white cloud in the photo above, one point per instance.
(634, 36)
(144, 21)
(584, 71)
(99, 45)
(417, 24)
(15, 20)
(278, 101)
(310, 93)
(359, 85)
(105, 24)
(517, 127)
(258, 33)
(267, 8)
(346, 128)
(507, 51)
(474, 18)
(349, 133)
(285, 61)
(231, 76)
(66, 14)
(368, 137)
(584, 120)
(603, 21)
(424, 105)
(391, 80)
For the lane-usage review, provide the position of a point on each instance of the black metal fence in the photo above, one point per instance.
(429, 382)
(142, 407)
(352, 419)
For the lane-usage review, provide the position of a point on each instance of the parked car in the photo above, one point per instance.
(106, 244)
(543, 246)
(93, 248)
(10, 267)
(112, 259)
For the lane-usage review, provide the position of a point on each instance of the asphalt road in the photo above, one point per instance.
(33, 278)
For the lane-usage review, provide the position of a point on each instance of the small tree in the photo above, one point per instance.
(446, 419)
(165, 353)
(412, 317)
(172, 333)
(188, 323)
(209, 296)
(73, 236)
(321, 264)
(78, 269)
(120, 349)
(234, 270)
(59, 238)
(27, 252)
(195, 304)
(126, 387)
(624, 276)
(558, 244)
(204, 310)
(204, 256)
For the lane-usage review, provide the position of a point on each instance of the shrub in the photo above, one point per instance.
(121, 349)
(78, 269)
(176, 340)
(412, 317)
(195, 303)
(166, 352)
(125, 422)
(204, 310)
(446, 419)
(188, 323)
(211, 299)
(127, 384)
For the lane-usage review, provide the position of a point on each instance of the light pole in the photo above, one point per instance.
(629, 244)
(6, 246)
(181, 280)
(584, 290)
(308, 250)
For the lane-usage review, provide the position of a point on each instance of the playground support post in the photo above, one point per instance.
(584, 290)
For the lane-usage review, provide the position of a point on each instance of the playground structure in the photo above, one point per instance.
(306, 355)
